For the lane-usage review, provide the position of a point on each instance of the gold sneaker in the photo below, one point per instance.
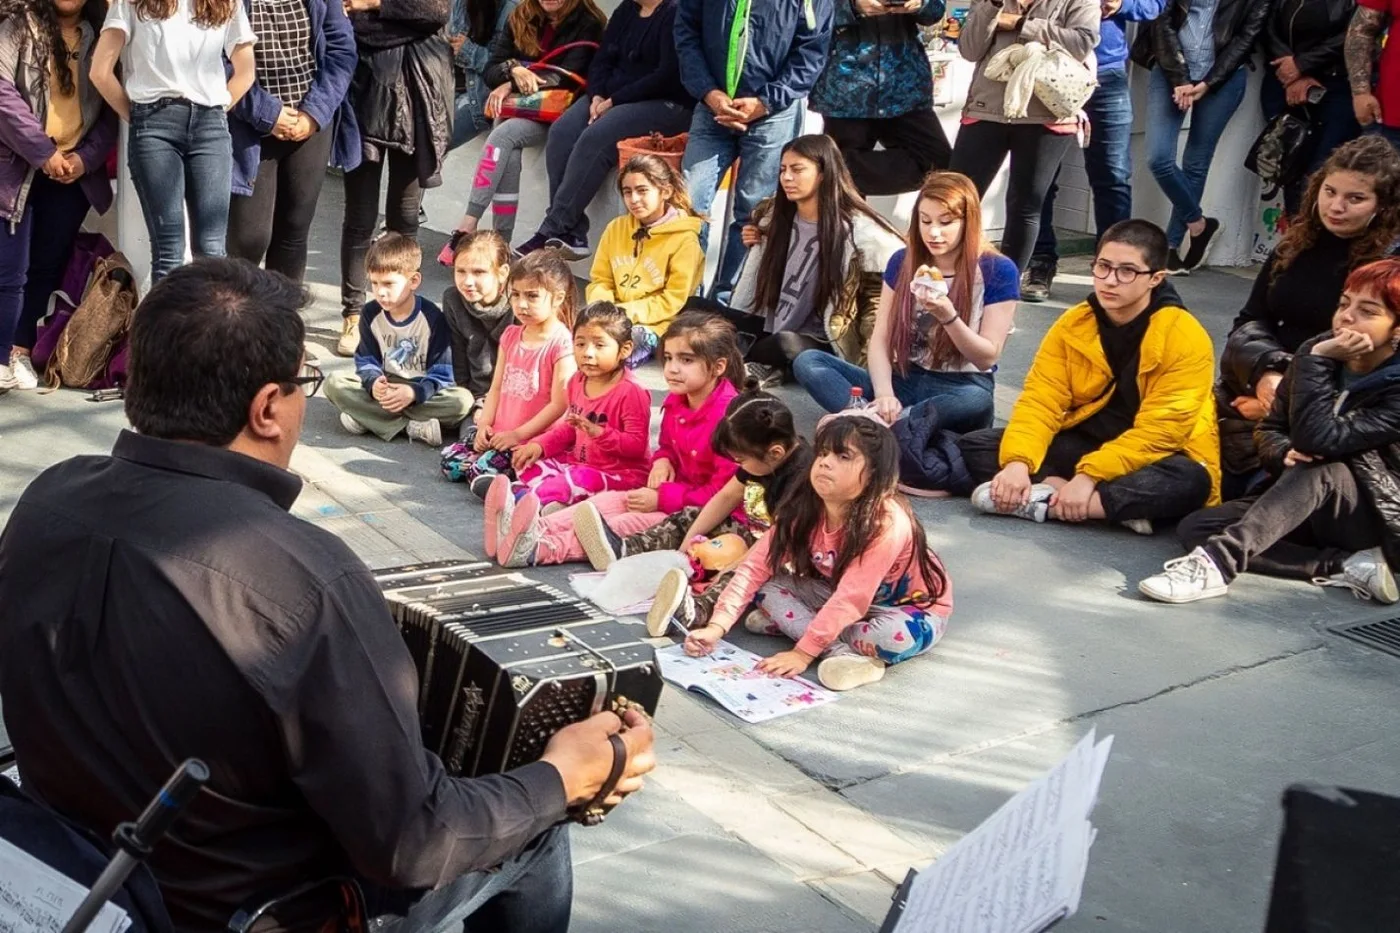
(349, 336)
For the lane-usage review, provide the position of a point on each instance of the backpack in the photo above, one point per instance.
(88, 250)
(96, 333)
(1281, 153)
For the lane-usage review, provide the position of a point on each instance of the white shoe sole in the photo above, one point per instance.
(588, 528)
(668, 599)
(846, 672)
(1209, 592)
(1389, 591)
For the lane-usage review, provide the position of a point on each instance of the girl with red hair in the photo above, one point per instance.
(934, 344)
(1332, 440)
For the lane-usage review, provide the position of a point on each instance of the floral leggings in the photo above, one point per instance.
(889, 633)
(558, 480)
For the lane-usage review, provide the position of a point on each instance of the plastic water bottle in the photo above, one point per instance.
(857, 400)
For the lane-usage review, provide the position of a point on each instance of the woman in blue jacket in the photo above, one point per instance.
(293, 121)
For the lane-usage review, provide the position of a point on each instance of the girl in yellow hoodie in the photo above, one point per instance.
(649, 260)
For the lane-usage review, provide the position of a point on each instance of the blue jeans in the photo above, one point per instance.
(964, 400)
(33, 256)
(579, 155)
(1108, 162)
(180, 156)
(1333, 120)
(1185, 184)
(711, 150)
(470, 119)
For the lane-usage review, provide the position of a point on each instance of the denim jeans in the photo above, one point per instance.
(711, 150)
(1184, 184)
(33, 255)
(964, 400)
(180, 157)
(1108, 162)
(470, 119)
(579, 155)
(1333, 119)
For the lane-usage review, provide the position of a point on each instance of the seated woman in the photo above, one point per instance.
(942, 350)
(634, 89)
(1332, 438)
(1350, 217)
(1115, 422)
(817, 292)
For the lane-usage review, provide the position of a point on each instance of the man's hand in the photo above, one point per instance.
(1293, 458)
(1071, 502)
(750, 109)
(1011, 488)
(661, 472)
(1367, 108)
(871, 8)
(702, 641)
(1250, 407)
(785, 663)
(722, 106)
(887, 407)
(1187, 94)
(396, 398)
(642, 500)
(76, 168)
(56, 166)
(583, 755)
(525, 455)
(1109, 8)
(1344, 345)
(1009, 22)
(1297, 92)
(1267, 387)
(306, 127)
(286, 123)
(1286, 70)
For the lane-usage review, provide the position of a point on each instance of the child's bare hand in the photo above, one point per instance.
(661, 472)
(702, 641)
(505, 440)
(525, 455)
(580, 423)
(785, 663)
(642, 500)
(378, 387)
(482, 442)
(750, 235)
(396, 398)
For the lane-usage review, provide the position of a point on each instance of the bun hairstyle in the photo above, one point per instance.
(608, 317)
(754, 421)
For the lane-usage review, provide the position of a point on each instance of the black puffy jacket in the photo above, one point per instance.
(1238, 24)
(1360, 425)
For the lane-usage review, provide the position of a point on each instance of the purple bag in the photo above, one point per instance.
(88, 249)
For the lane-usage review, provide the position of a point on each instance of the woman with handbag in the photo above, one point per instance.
(1350, 216)
(1036, 140)
(634, 89)
(549, 44)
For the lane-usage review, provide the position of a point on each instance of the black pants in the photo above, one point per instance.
(1303, 526)
(362, 210)
(1168, 489)
(914, 144)
(275, 220)
(1036, 154)
(776, 350)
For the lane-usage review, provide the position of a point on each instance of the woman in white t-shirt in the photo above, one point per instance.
(175, 94)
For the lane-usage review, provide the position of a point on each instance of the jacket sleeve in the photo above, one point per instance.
(978, 30)
(661, 80)
(1142, 11)
(99, 140)
(20, 129)
(461, 349)
(1329, 51)
(684, 270)
(600, 70)
(1166, 49)
(557, 441)
(1077, 34)
(369, 360)
(1040, 410)
(503, 49)
(806, 58)
(1271, 39)
(1241, 45)
(1250, 352)
(629, 438)
(601, 284)
(335, 69)
(1316, 430)
(672, 497)
(929, 14)
(1170, 409)
(1271, 440)
(579, 59)
(690, 49)
(439, 375)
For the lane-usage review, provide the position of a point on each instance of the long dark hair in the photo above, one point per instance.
(802, 511)
(660, 173)
(208, 14)
(1373, 157)
(712, 338)
(481, 20)
(838, 200)
(48, 43)
(754, 421)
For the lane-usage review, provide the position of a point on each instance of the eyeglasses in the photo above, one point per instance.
(309, 378)
(1125, 275)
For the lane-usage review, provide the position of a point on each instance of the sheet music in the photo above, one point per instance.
(35, 898)
(1024, 867)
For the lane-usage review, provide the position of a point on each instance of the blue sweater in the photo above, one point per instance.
(787, 48)
(637, 58)
(369, 356)
(1112, 50)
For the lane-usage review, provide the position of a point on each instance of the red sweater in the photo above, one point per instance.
(685, 441)
(624, 411)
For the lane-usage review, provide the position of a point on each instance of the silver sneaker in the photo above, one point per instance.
(351, 425)
(22, 369)
(428, 431)
(1035, 510)
(1367, 575)
(1186, 579)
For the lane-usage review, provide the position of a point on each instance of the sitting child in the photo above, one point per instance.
(1332, 439)
(403, 365)
(477, 306)
(649, 260)
(529, 386)
(1116, 420)
(601, 443)
(701, 355)
(846, 571)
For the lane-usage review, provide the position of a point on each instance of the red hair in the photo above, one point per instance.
(1382, 279)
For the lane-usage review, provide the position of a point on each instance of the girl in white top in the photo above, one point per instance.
(175, 94)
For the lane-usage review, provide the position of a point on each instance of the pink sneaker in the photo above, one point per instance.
(446, 256)
(517, 548)
(497, 497)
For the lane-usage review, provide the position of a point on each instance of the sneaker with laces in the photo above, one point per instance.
(481, 484)
(7, 378)
(848, 671)
(351, 425)
(600, 543)
(768, 377)
(1035, 284)
(757, 622)
(428, 431)
(673, 601)
(1142, 526)
(536, 242)
(1035, 510)
(22, 369)
(349, 335)
(572, 248)
(1367, 575)
(517, 548)
(1186, 579)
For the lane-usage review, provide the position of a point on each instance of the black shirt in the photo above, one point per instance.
(763, 493)
(163, 604)
(1122, 346)
(1299, 302)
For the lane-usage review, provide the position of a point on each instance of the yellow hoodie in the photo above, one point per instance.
(649, 278)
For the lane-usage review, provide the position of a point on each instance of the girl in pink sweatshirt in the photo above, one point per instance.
(845, 572)
(702, 366)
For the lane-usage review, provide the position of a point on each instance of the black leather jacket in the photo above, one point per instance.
(1238, 24)
(1312, 31)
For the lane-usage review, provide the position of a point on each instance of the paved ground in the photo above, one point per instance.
(802, 824)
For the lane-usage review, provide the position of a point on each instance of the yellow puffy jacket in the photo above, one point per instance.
(649, 278)
(1070, 380)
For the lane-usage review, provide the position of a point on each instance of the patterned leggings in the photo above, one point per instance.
(889, 633)
(462, 464)
(564, 482)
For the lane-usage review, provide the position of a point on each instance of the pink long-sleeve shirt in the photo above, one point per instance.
(624, 411)
(685, 442)
(885, 575)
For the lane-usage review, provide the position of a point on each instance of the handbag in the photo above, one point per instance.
(1281, 153)
(548, 103)
(1057, 79)
(669, 149)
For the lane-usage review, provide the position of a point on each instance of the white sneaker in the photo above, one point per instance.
(1035, 510)
(1367, 575)
(22, 369)
(673, 601)
(7, 378)
(351, 425)
(428, 431)
(757, 622)
(1142, 526)
(848, 671)
(1185, 580)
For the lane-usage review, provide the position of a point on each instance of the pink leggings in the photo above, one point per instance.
(558, 543)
